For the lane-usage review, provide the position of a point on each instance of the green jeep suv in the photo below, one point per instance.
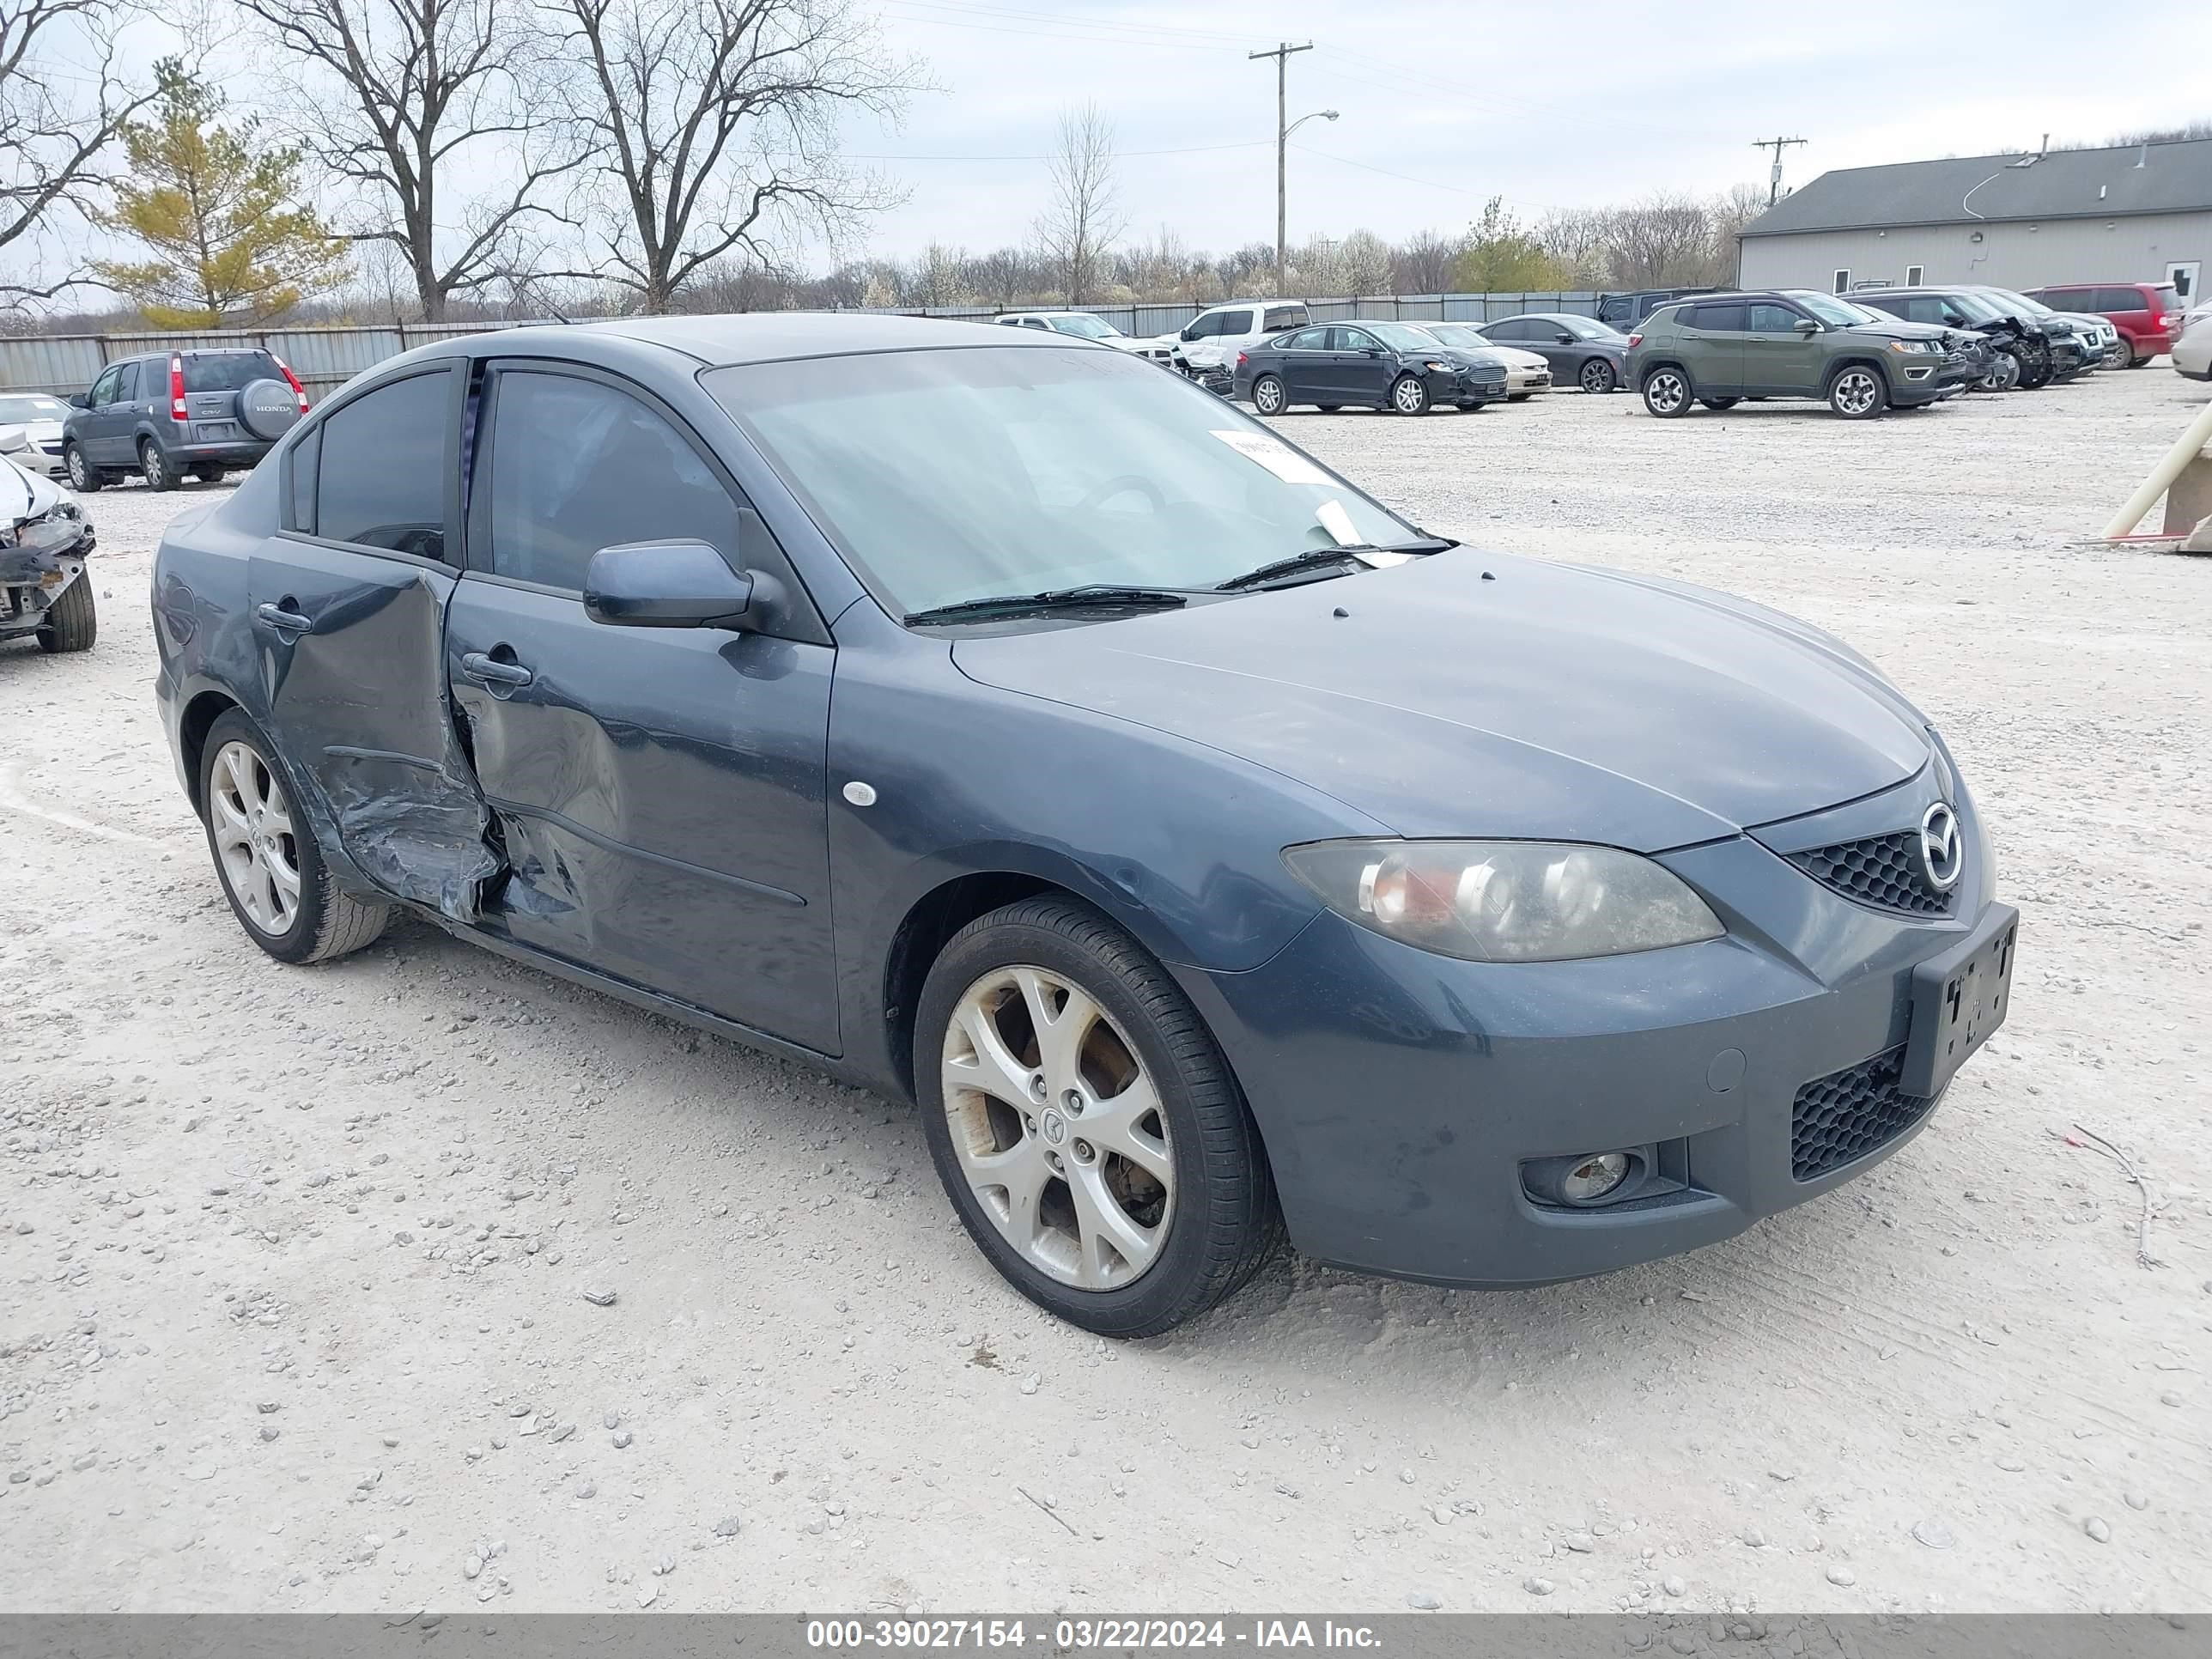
(1720, 349)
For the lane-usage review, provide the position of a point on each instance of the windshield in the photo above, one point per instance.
(1402, 337)
(1090, 327)
(2022, 303)
(963, 474)
(1458, 334)
(1974, 307)
(36, 407)
(1836, 313)
(1583, 329)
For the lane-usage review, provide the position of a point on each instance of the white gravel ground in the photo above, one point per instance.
(293, 1257)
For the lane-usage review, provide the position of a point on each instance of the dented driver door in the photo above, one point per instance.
(347, 606)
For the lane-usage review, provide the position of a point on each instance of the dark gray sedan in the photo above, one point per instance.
(1010, 727)
(1582, 351)
(1366, 365)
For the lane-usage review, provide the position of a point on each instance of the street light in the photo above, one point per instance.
(1282, 184)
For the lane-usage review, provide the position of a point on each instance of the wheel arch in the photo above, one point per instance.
(193, 725)
(1856, 360)
(1645, 371)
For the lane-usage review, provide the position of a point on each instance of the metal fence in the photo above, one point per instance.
(324, 358)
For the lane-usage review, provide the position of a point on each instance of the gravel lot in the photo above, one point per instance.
(295, 1257)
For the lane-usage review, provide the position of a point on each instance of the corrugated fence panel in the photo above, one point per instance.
(325, 358)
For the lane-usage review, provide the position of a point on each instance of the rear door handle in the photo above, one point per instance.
(490, 671)
(282, 620)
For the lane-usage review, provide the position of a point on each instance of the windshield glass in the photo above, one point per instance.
(963, 474)
(1583, 329)
(2022, 303)
(34, 407)
(1974, 307)
(1463, 334)
(1402, 337)
(1837, 314)
(1090, 327)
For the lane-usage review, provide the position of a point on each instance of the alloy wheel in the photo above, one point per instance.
(1267, 395)
(255, 838)
(1855, 392)
(1058, 1128)
(1666, 391)
(156, 469)
(1597, 375)
(80, 471)
(1409, 397)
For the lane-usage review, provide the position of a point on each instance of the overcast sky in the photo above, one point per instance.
(1544, 105)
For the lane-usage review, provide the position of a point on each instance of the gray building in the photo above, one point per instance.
(2139, 214)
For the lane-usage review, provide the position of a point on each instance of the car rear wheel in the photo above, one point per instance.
(2135, 359)
(1597, 375)
(266, 854)
(1718, 404)
(71, 622)
(84, 477)
(154, 465)
(1858, 393)
(209, 472)
(1328, 409)
(1667, 392)
(1409, 395)
(1087, 1130)
(1269, 395)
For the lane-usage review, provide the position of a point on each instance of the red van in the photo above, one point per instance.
(2148, 314)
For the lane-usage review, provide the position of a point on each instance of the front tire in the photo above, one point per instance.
(1409, 395)
(1269, 395)
(154, 466)
(1857, 392)
(71, 623)
(1667, 392)
(1087, 1130)
(84, 477)
(265, 855)
(1597, 375)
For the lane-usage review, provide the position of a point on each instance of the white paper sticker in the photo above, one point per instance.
(1331, 517)
(1278, 457)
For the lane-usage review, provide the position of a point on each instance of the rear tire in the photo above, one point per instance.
(84, 477)
(209, 472)
(255, 826)
(1409, 395)
(1269, 395)
(1200, 1234)
(1328, 409)
(154, 466)
(1719, 403)
(2138, 359)
(71, 623)
(1667, 392)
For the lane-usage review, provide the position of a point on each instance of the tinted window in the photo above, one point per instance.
(1285, 316)
(1717, 319)
(126, 389)
(2169, 299)
(1510, 332)
(1768, 318)
(2120, 299)
(1233, 322)
(227, 371)
(380, 478)
(577, 466)
(1921, 308)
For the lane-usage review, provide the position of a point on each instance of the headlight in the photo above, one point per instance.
(1912, 348)
(1440, 369)
(1504, 900)
(56, 531)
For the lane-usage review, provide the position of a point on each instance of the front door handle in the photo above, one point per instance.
(283, 619)
(490, 671)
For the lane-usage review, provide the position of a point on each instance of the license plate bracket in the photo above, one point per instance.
(1959, 999)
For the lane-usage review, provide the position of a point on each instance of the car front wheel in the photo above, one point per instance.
(1597, 375)
(1085, 1125)
(1410, 395)
(1667, 392)
(1268, 396)
(1858, 393)
(266, 854)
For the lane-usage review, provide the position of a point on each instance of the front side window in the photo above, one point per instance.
(126, 389)
(1352, 339)
(1768, 318)
(951, 475)
(576, 465)
(103, 389)
(380, 478)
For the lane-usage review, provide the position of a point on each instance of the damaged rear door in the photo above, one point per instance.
(347, 605)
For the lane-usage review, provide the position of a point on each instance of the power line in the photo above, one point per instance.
(1147, 30)
(1119, 155)
(1774, 180)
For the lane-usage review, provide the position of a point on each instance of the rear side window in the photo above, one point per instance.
(576, 466)
(380, 472)
(1310, 339)
(2169, 299)
(2122, 299)
(1719, 319)
(1233, 322)
(227, 371)
(1281, 316)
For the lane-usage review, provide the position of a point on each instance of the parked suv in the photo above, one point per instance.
(2147, 314)
(2015, 353)
(1216, 335)
(170, 413)
(1790, 342)
(1624, 311)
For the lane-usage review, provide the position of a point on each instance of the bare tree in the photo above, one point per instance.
(1667, 238)
(63, 100)
(408, 99)
(1422, 263)
(1086, 214)
(712, 127)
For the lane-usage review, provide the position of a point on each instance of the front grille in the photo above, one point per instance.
(1846, 1114)
(1879, 870)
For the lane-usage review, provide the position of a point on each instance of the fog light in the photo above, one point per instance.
(1592, 1178)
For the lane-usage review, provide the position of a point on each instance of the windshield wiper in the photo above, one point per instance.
(1098, 596)
(1321, 558)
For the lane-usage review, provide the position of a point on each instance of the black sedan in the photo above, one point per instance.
(1582, 351)
(1390, 365)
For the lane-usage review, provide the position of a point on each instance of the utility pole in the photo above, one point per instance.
(1281, 54)
(1774, 182)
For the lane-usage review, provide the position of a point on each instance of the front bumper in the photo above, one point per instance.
(31, 579)
(1465, 385)
(1401, 1095)
(1520, 382)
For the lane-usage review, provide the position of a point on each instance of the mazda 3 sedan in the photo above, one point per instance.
(1207, 850)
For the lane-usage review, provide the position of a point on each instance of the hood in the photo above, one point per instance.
(1550, 703)
(1899, 329)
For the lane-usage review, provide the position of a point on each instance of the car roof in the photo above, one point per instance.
(721, 340)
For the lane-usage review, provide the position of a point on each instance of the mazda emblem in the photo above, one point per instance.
(1942, 857)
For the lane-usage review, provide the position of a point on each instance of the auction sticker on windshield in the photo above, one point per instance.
(1278, 457)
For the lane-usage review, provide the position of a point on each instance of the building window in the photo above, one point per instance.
(1913, 274)
(1843, 283)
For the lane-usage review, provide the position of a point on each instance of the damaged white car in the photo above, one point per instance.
(43, 539)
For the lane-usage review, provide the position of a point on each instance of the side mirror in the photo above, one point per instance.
(1563, 337)
(1189, 332)
(1807, 325)
(80, 400)
(673, 584)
